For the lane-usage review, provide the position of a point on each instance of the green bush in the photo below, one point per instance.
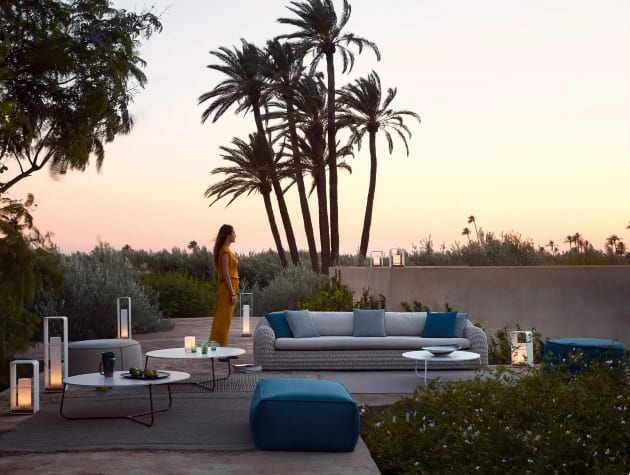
(288, 289)
(182, 296)
(331, 296)
(541, 422)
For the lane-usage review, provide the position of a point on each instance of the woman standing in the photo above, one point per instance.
(225, 264)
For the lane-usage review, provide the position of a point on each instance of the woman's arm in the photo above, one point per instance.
(226, 275)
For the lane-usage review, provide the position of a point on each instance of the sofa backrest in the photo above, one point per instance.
(396, 323)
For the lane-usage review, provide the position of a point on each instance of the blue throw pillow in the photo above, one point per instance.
(439, 325)
(369, 322)
(301, 324)
(460, 324)
(278, 322)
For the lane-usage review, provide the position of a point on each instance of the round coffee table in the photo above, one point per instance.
(426, 356)
(117, 381)
(221, 353)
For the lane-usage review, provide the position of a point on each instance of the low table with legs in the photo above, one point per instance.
(221, 353)
(117, 381)
(427, 356)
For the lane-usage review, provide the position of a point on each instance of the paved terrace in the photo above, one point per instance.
(211, 461)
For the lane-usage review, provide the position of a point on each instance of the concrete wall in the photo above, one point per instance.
(559, 301)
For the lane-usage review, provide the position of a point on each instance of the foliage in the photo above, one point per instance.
(181, 296)
(417, 307)
(28, 265)
(197, 263)
(92, 283)
(368, 300)
(259, 268)
(541, 422)
(68, 71)
(288, 289)
(331, 295)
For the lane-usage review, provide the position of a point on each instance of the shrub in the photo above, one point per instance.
(292, 286)
(542, 422)
(181, 296)
(331, 296)
(368, 300)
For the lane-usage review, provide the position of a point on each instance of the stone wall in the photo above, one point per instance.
(559, 301)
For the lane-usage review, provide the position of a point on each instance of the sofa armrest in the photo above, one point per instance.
(264, 342)
(478, 341)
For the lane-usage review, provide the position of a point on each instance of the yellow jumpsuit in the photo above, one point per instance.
(224, 307)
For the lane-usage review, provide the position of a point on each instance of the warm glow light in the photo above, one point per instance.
(55, 362)
(124, 323)
(24, 393)
(522, 351)
(189, 343)
(245, 319)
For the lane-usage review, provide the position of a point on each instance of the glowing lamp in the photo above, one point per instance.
(123, 312)
(377, 259)
(522, 348)
(247, 307)
(396, 257)
(55, 355)
(24, 390)
(189, 343)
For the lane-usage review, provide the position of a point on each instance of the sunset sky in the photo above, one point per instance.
(525, 109)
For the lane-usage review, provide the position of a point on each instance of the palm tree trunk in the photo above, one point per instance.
(274, 229)
(332, 161)
(317, 145)
(282, 205)
(299, 179)
(367, 221)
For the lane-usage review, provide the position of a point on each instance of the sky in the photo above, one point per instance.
(525, 108)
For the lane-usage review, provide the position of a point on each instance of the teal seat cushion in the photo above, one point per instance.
(279, 324)
(301, 324)
(368, 322)
(574, 353)
(460, 325)
(439, 325)
(303, 415)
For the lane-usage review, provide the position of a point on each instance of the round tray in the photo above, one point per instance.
(441, 350)
(161, 375)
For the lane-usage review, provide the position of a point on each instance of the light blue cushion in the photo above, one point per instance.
(460, 324)
(279, 324)
(439, 325)
(369, 322)
(301, 324)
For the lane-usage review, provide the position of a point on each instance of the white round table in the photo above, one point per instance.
(426, 356)
(118, 380)
(221, 353)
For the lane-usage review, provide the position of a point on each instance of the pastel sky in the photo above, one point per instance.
(525, 110)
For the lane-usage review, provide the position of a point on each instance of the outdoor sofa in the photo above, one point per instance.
(362, 340)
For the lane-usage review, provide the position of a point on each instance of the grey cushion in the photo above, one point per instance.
(460, 324)
(301, 324)
(369, 322)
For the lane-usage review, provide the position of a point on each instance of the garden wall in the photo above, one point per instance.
(559, 301)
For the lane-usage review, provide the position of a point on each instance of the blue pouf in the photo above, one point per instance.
(303, 414)
(574, 352)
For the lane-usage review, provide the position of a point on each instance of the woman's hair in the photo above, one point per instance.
(224, 232)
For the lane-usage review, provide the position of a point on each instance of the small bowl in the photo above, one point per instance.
(441, 350)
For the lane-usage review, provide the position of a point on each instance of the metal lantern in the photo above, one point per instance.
(247, 310)
(522, 348)
(55, 355)
(24, 390)
(123, 312)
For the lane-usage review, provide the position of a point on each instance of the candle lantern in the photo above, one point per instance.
(189, 343)
(397, 257)
(377, 259)
(24, 389)
(55, 355)
(123, 312)
(247, 310)
(522, 348)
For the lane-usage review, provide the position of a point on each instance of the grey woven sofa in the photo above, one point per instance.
(337, 349)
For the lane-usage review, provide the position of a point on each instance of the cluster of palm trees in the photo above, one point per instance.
(297, 112)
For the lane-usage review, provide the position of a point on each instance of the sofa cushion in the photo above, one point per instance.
(404, 323)
(368, 343)
(460, 325)
(278, 322)
(439, 325)
(333, 323)
(301, 324)
(368, 322)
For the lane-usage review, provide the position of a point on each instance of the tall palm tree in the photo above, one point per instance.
(611, 242)
(245, 89)
(471, 219)
(579, 241)
(283, 70)
(249, 173)
(466, 232)
(320, 31)
(569, 239)
(364, 110)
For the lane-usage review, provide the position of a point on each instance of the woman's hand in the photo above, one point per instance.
(233, 298)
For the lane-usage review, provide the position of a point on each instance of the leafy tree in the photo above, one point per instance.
(321, 32)
(68, 70)
(364, 110)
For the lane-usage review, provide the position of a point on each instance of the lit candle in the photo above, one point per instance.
(397, 259)
(376, 261)
(189, 343)
(519, 354)
(55, 361)
(24, 393)
(245, 319)
(124, 323)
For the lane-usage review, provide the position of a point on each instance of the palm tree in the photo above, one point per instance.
(244, 87)
(552, 247)
(611, 242)
(250, 173)
(471, 219)
(320, 31)
(579, 241)
(621, 248)
(569, 239)
(283, 70)
(466, 232)
(364, 110)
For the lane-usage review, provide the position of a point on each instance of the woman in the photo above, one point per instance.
(225, 264)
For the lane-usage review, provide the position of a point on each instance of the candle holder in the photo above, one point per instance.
(123, 312)
(396, 257)
(522, 348)
(55, 355)
(377, 259)
(189, 343)
(24, 390)
(247, 309)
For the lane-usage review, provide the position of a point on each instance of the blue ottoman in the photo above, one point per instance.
(303, 414)
(574, 352)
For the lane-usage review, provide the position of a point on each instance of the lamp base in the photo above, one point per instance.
(246, 334)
